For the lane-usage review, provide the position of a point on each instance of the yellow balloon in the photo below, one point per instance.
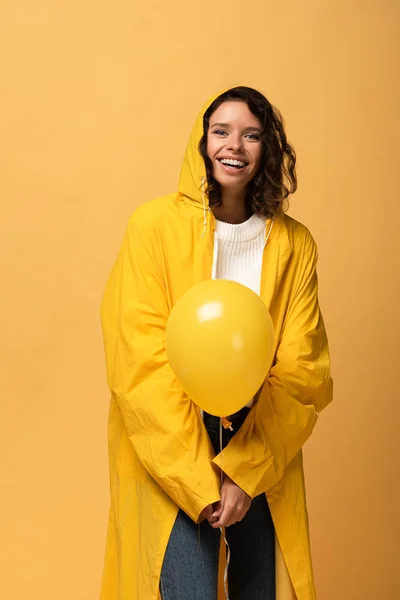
(220, 344)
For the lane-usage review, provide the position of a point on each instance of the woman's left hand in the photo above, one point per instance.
(232, 507)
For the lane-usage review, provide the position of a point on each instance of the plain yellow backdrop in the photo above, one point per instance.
(97, 103)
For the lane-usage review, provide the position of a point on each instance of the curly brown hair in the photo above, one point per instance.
(276, 178)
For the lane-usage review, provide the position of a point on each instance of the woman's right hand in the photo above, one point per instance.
(207, 514)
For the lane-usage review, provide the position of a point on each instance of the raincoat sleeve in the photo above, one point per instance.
(297, 388)
(162, 423)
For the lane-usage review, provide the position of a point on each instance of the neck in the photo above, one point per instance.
(233, 207)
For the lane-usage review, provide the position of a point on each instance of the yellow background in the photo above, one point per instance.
(97, 102)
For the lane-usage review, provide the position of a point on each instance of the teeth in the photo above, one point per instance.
(233, 163)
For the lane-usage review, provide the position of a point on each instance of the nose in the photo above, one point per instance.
(235, 144)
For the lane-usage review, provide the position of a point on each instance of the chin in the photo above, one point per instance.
(230, 183)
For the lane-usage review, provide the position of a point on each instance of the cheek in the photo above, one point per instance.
(210, 147)
(256, 155)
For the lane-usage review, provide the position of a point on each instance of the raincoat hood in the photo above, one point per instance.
(193, 172)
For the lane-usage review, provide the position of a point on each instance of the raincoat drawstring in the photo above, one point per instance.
(205, 208)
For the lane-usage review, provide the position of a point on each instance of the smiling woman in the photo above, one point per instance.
(245, 149)
(233, 148)
(226, 221)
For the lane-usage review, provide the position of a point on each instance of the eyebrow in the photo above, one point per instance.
(226, 125)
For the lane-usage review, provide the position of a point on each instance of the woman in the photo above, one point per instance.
(225, 221)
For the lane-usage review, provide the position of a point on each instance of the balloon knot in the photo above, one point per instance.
(226, 424)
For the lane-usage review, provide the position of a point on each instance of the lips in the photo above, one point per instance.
(232, 167)
(233, 162)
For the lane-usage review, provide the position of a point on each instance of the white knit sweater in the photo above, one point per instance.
(238, 253)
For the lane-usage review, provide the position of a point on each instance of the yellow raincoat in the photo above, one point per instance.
(160, 455)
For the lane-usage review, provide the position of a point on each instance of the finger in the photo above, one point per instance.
(219, 522)
(207, 512)
(212, 519)
(218, 510)
(222, 520)
(231, 523)
(228, 516)
(223, 523)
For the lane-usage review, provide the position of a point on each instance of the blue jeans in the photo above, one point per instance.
(190, 568)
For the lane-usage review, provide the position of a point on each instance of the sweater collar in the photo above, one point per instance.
(241, 232)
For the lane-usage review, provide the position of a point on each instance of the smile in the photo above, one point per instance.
(230, 164)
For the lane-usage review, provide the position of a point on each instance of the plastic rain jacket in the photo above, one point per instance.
(159, 452)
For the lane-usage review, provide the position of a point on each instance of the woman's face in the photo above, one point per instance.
(234, 144)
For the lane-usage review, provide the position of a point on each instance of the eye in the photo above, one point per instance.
(253, 136)
(220, 132)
